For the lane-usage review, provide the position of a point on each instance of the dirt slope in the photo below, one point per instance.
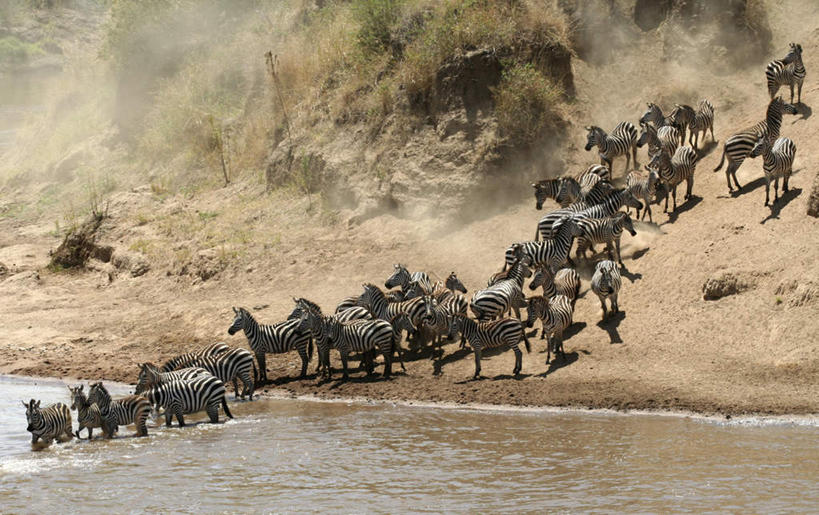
(757, 351)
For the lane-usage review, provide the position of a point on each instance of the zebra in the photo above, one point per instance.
(506, 332)
(612, 204)
(150, 375)
(739, 145)
(682, 115)
(273, 339)
(604, 230)
(376, 302)
(347, 303)
(674, 170)
(621, 140)
(401, 277)
(702, 122)
(565, 281)
(401, 322)
(605, 283)
(788, 71)
(664, 139)
(494, 301)
(643, 188)
(88, 414)
(778, 162)
(236, 363)
(183, 397)
(552, 252)
(364, 336)
(437, 318)
(563, 190)
(555, 316)
(184, 360)
(133, 409)
(654, 114)
(49, 423)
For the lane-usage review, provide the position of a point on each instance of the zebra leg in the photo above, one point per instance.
(617, 251)
(785, 179)
(236, 389)
(179, 417)
(689, 187)
(767, 190)
(213, 412)
(791, 85)
(260, 357)
(799, 98)
(776, 190)
(387, 364)
(610, 250)
(168, 416)
(518, 361)
(549, 349)
(603, 303)
(247, 383)
(344, 375)
(614, 307)
(674, 196)
(141, 424)
(734, 175)
(477, 351)
(304, 361)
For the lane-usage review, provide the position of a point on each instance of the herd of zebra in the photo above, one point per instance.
(375, 320)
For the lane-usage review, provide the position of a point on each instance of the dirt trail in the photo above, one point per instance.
(757, 351)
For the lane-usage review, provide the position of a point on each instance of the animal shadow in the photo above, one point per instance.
(631, 276)
(518, 377)
(706, 149)
(438, 364)
(804, 110)
(784, 200)
(559, 362)
(610, 325)
(682, 208)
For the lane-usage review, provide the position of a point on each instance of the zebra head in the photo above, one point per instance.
(543, 275)
(414, 289)
(455, 284)
(794, 53)
(604, 268)
(631, 201)
(625, 220)
(762, 147)
(148, 377)
(371, 292)
(34, 416)
(653, 114)
(242, 316)
(646, 134)
(78, 399)
(399, 277)
(544, 189)
(594, 136)
(429, 310)
(776, 107)
(566, 223)
(535, 309)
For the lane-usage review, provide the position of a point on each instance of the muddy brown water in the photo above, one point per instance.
(294, 455)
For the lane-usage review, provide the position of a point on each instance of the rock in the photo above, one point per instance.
(134, 263)
(30, 277)
(4, 270)
(725, 283)
(813, 200)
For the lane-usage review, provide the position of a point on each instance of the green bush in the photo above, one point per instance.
(525, 103)
(14, 51)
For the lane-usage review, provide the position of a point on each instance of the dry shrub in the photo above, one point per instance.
(525, 103)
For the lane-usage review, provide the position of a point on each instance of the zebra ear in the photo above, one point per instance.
(235, 310)
(24, 404)
(37, 405)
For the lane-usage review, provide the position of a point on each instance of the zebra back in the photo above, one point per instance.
(184, 360)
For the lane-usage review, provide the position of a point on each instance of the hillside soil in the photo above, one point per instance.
(754, 351)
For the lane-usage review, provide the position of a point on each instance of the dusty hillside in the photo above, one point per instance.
(751, 352)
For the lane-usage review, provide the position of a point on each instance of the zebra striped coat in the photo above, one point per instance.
(789, 71)
(132, 409)
(272, 339)
(654, 114)
(150, 375)
(612, 204)
(376, 302)
(401, 277)
(681, 116)
(643, 188)
(89, 415)
(563, 190)
(185, 360)
(778, 162)
(621, 141)
(665, 139)
(702, 122)
(48, 423)
(738, 146)
(604, 230)
(553, 252)
(606, 283)
(674, 170)
(565, 281)
(180, 398)
(506, 332)
(497, 299)
(555, 315)
(230, 366)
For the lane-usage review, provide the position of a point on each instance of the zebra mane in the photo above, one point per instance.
(312, 306)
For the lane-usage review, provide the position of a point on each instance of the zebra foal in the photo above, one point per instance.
(777, 162)
(789, 71)
(506, 332)
(49, 423)
(621, 141)
(133, 409)
(606, 283)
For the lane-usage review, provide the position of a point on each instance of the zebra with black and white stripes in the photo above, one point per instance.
(606, 283)
(622, 197)
(180, 398)
(506, 332)
(89, 415)
(49, 423)
(681, 117)
(777, 162)
(621, 141)
(553, 252)
(150, 375)
(402, 277)
(674, 170)
(654, 114)
(645, 188)
(376, 302)
(738, 146)
(185, 360)
(665, 139)
(605, 231)
(789, 71)
(272, 339)
(563, 190)
(702, 122)
(230, 366)
(132, 409)
(496, 300)
(565, 281)
(555, 315)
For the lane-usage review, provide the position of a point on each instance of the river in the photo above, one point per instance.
(295, 455)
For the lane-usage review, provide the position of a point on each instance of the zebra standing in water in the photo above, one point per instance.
(496, 300)
(565, 281)
(185, 360)
(681, 116)
(274, 339)
(233, 364)
(506, 332)
(401, 277)
(133, 409)
(674, 170)
(789, 71)
(48, 423)
(739, 145)
(665, 139)
(621, 141)
(88, 414)
(563, 190)
(778, 162)
(555, 316)
(606, 284)
(604, 230)
(150, 375)
(183, 397)
(643, 188)
(702, 122)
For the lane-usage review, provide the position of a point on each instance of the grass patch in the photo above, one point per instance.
(15, 51)
(525, 103)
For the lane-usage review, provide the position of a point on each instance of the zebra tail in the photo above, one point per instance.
(228, 414)
(722, 160)
(310, 349)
